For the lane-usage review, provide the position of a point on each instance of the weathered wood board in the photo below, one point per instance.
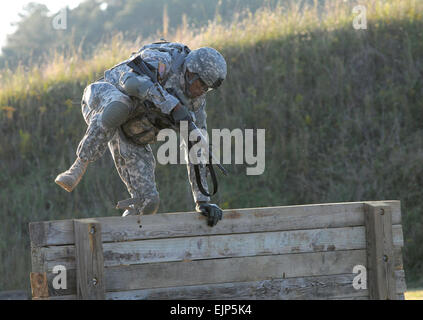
(89, 260)
(293, 252)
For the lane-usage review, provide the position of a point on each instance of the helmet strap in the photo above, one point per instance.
(189, 82)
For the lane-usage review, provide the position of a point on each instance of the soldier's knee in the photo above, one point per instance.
(152, 205)
(114, 114)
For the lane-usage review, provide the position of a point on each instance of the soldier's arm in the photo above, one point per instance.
(201, 123)
(143, 88)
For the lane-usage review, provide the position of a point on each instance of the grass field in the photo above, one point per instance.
(414, 295)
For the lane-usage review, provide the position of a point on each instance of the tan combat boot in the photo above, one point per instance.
(68, 180)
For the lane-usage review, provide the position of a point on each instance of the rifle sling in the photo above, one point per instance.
(212, 174)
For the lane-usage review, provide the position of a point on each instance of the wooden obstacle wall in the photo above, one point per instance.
(292, 252)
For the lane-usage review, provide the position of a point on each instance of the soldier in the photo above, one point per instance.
(126, 109)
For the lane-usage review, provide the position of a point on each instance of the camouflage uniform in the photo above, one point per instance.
(135, 162)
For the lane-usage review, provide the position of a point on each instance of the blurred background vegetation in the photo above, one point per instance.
(342, 108)
(94, 22)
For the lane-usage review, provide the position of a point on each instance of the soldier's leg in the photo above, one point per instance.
(135, 165)
(104, 108)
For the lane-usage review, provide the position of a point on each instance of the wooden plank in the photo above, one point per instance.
(245, 269)
(380, 252)
(398, 263)
(169, 274)
(401, 285)
(39, 288)
(14, 295)
(191, 224)
(306, 288)
(89, 260)
(71, 276)
(350, 298)
(398, 297)
(336, 287)
(220, 246)
(155, 275)
(38, 259)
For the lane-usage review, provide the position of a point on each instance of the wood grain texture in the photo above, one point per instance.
(38, 259)
(39, 287)
(159, 276)
(89, 260)
(220, 246)
(305, 288)
(380, 252)
(15, 295)
(167, 274)
(234, 221)
(295, 252)
(335, 287)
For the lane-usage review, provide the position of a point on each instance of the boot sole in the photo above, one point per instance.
(64, 186)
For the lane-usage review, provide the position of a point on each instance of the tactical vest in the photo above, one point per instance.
(144, 125)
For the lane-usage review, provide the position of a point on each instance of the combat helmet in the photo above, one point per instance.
(208, 64)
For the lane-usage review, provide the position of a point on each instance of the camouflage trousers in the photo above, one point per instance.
(134, 163)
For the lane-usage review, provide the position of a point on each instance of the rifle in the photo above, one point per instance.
(215, 161)
(191, 123)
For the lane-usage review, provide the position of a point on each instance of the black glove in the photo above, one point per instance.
(211, 211)
(180, 113)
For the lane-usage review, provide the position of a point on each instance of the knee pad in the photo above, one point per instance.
(114, 114)
(153, 205)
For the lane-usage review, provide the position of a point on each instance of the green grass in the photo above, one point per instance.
(342, 110)
(414, 295)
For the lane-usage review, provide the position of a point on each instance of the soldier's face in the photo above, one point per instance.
(197, 88)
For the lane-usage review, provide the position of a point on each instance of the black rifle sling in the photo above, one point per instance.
(212, 174)
(139, 66)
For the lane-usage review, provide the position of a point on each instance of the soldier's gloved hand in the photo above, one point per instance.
(181, 113)
(211, 211)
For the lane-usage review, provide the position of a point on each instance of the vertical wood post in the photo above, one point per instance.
(380, 252)
(89, 260)
(39, 287)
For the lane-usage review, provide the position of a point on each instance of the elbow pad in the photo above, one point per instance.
(136, 86)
